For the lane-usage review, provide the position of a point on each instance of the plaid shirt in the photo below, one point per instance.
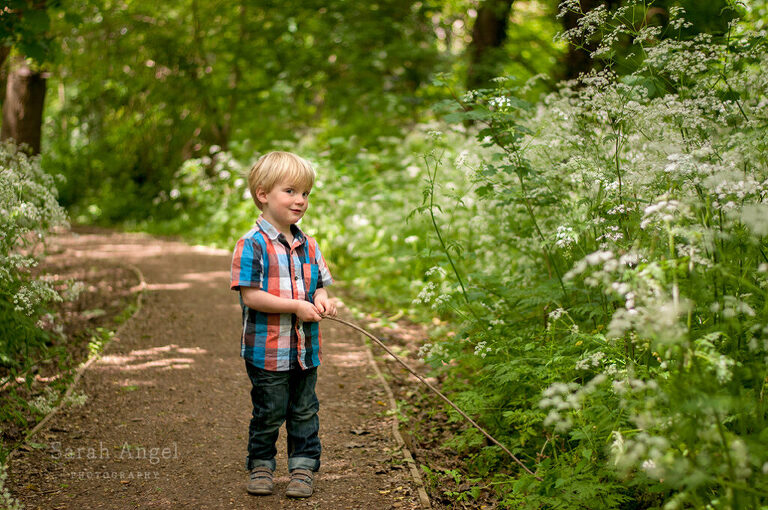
(263, 260)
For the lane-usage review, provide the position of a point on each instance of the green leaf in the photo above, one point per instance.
(73, 18)
(34, 49)
(456, 117)
(35, 21)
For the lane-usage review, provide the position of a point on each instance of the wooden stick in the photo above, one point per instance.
(435, 390)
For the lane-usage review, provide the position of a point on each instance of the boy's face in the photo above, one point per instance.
(284, 204)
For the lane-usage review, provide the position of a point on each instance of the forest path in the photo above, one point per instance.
(165, 424)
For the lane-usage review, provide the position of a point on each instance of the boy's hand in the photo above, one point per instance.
(307, 312)
(324, 305)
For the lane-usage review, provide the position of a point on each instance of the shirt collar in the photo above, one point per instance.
(273, 233)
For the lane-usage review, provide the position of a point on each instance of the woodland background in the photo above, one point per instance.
(572, 194)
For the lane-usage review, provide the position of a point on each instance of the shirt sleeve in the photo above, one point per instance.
(247, 267)
(324, 277)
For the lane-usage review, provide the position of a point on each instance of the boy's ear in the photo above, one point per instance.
(261, 196)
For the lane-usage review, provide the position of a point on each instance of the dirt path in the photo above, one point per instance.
(166, 420)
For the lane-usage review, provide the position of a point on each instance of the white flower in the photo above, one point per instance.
(565, 236)
(461, 159)
(598, 257)
(556, 313)
(500, 103)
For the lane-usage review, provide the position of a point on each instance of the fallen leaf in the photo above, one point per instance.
(92, 314)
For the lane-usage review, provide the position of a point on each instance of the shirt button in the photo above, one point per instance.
(296, 277)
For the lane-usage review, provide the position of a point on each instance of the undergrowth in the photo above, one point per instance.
(29, 213)
(614, 325)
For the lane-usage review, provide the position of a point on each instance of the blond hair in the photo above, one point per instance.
(278, 166)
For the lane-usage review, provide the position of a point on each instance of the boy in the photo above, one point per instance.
(282, 277)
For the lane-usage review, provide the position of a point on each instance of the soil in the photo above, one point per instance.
(166, 419)
(427, 426)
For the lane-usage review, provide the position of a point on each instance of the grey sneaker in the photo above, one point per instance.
(260, 481)
(301, 484)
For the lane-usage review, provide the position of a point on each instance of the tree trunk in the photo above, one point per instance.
(23, 106)
(4, 52)
(578, 60)
(488, 35)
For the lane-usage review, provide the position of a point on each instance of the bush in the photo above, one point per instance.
(619, 324)
(28, 213)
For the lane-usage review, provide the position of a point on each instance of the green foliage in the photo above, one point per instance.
(25, 26)
(207, 199)
(145, 87)
(29, 212)
(620, 338)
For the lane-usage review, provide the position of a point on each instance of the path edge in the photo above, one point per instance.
(139, 290)
(407, 457)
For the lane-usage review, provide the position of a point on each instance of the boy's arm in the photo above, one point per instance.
(265, 302)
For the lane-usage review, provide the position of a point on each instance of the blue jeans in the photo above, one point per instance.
(283, 396)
